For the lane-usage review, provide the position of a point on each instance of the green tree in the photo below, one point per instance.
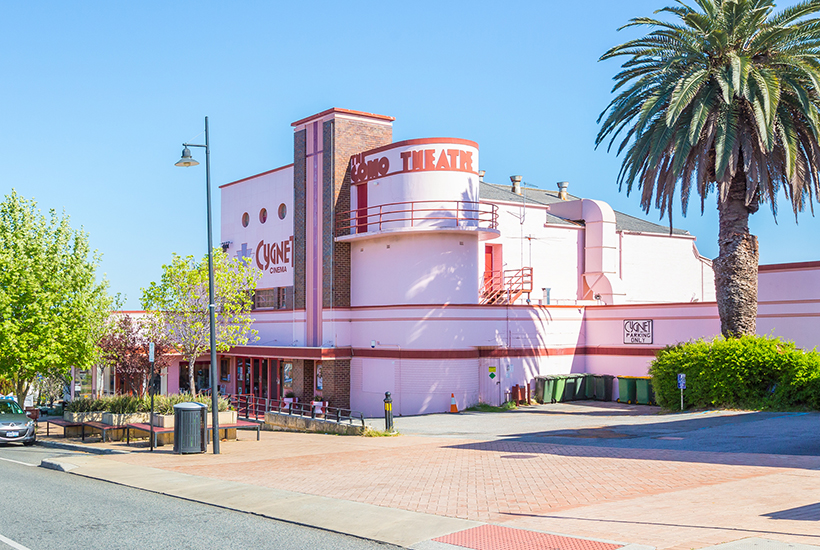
(722, 98)
(180, 302)
(125, 345)
(52, 308)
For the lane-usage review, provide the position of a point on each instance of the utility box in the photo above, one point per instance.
(189, 428)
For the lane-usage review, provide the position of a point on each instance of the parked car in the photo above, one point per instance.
(15, 425)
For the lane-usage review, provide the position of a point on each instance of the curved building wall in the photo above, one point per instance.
(418, 183)
(415, 268)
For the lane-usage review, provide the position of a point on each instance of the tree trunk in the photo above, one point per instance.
(736, 265)
(21, 388)
(191, 383)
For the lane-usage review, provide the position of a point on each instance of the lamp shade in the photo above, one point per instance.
(186, 159)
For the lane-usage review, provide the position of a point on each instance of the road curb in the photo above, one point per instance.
(57, 465)
(80, 448)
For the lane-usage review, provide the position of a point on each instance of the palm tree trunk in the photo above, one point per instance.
(736, 265)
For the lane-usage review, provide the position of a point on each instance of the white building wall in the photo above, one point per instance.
(663, 268)
(421, 267)
(268, 244)
(555, 252)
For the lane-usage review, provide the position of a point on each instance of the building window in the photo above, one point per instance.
(270, 298)
(265, 298)
(263, 215)
(283, 211)
(246, 219)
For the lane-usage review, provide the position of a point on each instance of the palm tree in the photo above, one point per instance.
(724, 98)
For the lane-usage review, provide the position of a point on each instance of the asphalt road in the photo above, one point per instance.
(43, 509)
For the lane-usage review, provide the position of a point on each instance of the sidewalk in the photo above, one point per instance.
(410, 490)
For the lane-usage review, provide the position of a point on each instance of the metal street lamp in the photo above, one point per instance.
(186, 161)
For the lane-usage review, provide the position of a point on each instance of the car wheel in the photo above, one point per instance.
(28, 443)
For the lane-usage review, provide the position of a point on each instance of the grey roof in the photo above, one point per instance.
(623, 222)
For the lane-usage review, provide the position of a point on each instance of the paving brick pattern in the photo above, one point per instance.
(668, 499)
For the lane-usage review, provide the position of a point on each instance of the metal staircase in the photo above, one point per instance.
(505, 287)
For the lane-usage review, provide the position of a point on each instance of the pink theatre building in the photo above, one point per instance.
(393, 266)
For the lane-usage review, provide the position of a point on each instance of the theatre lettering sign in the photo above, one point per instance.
(638, 331)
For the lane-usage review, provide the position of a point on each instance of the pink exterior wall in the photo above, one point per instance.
(555, 252)
(268, 191)
(415, 268)
(660, 268)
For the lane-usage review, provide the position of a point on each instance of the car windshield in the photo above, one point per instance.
(10, 407)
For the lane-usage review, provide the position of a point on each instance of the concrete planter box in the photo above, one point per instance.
(83, 417)
(122, 419)
(225, 417)
(167, 420)
(163, 420)
(307, 424)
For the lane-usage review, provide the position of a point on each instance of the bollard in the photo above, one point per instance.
(388, 412)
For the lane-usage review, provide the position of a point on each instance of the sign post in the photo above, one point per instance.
(681, 386)
(151, 381)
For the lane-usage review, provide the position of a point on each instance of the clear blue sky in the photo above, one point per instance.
(96, 98)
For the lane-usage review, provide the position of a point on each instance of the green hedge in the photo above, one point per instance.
(125, 404)
(751, 372)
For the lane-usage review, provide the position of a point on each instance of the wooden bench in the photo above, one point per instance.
(65, 424)
(146, 428)
(240, 425)
(104, 428)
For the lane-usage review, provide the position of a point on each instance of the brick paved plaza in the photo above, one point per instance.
(597, 487)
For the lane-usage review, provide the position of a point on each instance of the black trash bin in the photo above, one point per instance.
(190, 426)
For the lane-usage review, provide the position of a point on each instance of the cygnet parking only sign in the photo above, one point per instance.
(638, 331)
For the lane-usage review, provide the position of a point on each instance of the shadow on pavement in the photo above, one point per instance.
(755, 439)
(810, 512)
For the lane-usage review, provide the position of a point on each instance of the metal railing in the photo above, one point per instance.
(252, 407)
(452, 214)
(505, 287)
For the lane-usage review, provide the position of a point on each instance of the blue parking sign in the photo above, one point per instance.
(681, 381)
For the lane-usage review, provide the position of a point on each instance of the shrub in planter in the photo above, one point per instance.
(747, 372)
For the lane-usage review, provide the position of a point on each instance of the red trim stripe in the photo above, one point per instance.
(344, 112)
(256, 176)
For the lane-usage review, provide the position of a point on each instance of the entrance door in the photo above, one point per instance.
(488, 263)
(361, 208)
(489, 385)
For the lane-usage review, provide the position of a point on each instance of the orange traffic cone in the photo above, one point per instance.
(453, 406)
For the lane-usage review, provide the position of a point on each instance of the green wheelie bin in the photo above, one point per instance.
(560, 394)
(603, 387)
(589, 386)
(539, 389)
(580, 386)
(644, 394)
(626, 389)
(549, 389)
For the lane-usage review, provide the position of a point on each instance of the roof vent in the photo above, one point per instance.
(562, 190)
(481, 175)
(516, 184)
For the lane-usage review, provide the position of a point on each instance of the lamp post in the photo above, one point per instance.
(186, 161)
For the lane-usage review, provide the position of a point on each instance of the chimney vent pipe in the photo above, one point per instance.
(516, 184)
(481, 175)
(562, 190)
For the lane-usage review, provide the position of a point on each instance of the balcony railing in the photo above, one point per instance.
(505, 287)
(427, 214)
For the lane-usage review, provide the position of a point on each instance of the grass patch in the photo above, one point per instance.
(485, 408)
(370, 432)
